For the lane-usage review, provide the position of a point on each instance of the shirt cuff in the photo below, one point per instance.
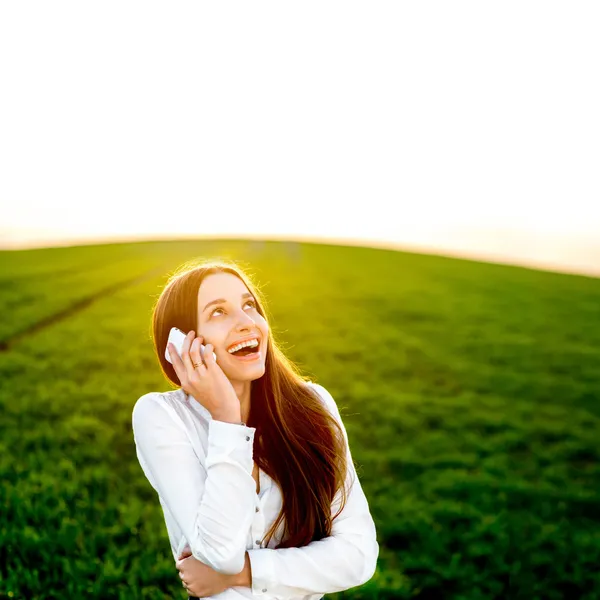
(263, 570)
(230, 440)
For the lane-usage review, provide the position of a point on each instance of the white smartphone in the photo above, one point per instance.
(177, 337)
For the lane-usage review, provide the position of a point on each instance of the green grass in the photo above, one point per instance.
(470, 393)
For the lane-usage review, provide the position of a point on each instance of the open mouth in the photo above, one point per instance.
(245, 352)
(249, 351)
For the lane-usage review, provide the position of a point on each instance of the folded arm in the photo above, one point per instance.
(211, 499)
(345, 559)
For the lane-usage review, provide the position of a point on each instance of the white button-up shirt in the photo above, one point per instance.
(201, 469)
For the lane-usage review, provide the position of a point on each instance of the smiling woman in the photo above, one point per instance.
(249, 459)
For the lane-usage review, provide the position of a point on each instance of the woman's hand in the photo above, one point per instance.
(206, 383)
(199, 579)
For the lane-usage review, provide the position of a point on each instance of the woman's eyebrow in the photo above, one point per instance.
(221, 300)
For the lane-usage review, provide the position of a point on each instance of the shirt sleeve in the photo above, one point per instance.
(345, 559)
(212, 497)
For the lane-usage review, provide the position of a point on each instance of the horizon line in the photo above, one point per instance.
(408, 247)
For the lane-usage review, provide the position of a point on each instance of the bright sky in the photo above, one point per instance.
(464, 127)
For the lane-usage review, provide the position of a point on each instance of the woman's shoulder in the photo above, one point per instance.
(155, 404)
(318, 388)
(325, 396)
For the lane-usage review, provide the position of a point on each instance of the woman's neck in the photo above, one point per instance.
(242, 390)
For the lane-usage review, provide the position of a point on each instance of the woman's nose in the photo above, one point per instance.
(245, 321)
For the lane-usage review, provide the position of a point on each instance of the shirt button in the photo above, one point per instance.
(257, 542)
(264, 589)
(247, 438)
(256, 509)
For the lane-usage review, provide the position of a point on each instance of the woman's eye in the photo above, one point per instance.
(248, 302)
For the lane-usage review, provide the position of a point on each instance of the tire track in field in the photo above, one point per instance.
(80, 305)
(73, 269)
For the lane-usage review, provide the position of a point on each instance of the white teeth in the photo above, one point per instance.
(248, 344)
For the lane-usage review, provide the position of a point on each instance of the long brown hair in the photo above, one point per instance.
(298, 442)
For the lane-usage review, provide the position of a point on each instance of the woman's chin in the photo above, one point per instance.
(244, 370)
(251, 373)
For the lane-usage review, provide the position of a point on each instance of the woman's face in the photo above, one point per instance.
(233, 318)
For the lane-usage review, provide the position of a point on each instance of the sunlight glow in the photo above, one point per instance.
(465, 128)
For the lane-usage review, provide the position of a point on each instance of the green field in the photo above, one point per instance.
(470, 393)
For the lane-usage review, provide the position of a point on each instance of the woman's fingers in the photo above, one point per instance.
(176, 361)
(197, 355)
(208, 355)
(185, 353)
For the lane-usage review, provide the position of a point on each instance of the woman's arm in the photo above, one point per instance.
(212, 498)
(345, 559)
(244, 578)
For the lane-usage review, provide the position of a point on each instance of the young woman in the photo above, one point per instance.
(250, 461)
